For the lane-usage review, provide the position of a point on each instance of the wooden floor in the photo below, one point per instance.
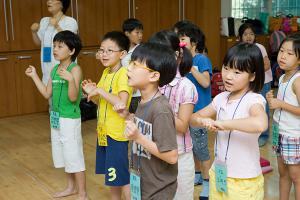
(27, 172)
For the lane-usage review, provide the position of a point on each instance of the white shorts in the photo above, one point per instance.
(67, 148)
(186, 176)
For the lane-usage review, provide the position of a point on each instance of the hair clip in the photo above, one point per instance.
(182, 44)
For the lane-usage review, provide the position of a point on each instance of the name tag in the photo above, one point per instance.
(275, 134)
(221, 176)
(102, 135)
(135, 185)
(54, 119)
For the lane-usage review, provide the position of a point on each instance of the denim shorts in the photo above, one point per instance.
(200, 143)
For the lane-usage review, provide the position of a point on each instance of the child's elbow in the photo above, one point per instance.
(173, 159)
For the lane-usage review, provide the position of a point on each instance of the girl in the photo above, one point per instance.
(240, 118)
(286, 118)
(247, 34)
(200, 75)
(182, 96)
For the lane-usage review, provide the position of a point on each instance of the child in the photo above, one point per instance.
(247, 34)
(112, 146)
(182, 96)
(64, 89)
(200, 75)
(240, 118)
(133, 29)
(154, 151)
(286, 118)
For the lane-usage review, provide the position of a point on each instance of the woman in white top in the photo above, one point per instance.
(247, 34)
(44, 32)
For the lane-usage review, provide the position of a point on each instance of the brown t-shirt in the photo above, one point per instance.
(155, 121)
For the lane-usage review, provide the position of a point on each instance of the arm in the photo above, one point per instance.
(73, 79)
(132, 133)
(121, 98)
(257, 122)
(87, 87)
(275, 103)
(182, 120)
(46, 91)
(204, 115)
(202, 78)
(267, 64)
(34, 29)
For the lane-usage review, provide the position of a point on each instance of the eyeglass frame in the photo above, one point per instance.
(107, 51)
(140, 65)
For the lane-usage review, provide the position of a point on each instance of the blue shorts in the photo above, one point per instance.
(200, 143)
(112, 161)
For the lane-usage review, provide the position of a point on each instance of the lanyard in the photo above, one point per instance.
(110, 91)
(138, 153)
(218, 115)
(61, 85)
(284, 93)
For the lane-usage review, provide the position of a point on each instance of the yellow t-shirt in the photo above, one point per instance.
(114, 83)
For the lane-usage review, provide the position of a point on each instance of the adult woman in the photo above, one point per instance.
(44, 32)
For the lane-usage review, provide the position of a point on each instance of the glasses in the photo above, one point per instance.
(108, 51)
(135, 64)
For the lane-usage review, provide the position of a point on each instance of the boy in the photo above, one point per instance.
(65, 90)
(154, 150)
(133, 29)
(200, 75)
(112, 89)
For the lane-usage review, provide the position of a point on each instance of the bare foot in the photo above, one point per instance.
(66, 192)
(82, 197)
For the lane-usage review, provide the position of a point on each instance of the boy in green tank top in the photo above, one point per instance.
(64, 87)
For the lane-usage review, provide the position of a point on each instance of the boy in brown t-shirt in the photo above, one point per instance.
(154, 148)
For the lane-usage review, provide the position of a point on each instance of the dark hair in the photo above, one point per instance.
(131, 24)
(195, 34)
(71, 39)
(178, 25)
(169, 38)
(119, 38)
(295, 39)
(65, 5)
(157, 57)
(244, 27)
(247, 57)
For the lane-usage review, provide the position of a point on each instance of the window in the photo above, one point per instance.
(250, 8)
(286, 7)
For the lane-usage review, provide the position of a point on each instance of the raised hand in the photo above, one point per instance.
(30, 71)
(93, 93)
(131, 131)
(209, 124)
(88, 86)
(121, 109)
(35, 27)
(65, 74)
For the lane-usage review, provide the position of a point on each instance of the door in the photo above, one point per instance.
(28, 97)
(4, 33)
(8, 100)
(21, 16)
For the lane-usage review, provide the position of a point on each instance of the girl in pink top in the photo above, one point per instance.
(240, 118)
(182, 95)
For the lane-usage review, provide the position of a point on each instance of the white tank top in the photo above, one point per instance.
(289, 124)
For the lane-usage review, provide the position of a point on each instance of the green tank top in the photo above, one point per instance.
(60, 98)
